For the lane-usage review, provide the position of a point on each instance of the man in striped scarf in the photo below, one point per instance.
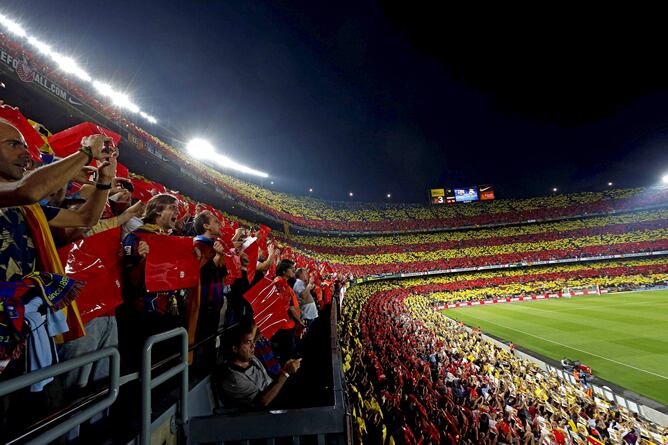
(32, 281)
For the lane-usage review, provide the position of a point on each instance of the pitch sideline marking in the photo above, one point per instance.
(575, 309)
(582, 350)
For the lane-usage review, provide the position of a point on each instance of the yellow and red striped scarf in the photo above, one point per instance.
(48, 261)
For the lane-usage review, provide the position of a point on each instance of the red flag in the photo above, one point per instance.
(32, 137)
(122, 171)
(144, 190)
(66, 142)
(250, 248)
(262, 242)
(270, 311)
(95, 260)
(171, 263)
(233, 266)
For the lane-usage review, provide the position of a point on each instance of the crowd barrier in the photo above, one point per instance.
(516, 299)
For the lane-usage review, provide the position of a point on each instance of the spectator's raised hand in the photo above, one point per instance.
(292, 366)
(142, 249)
(107, 169)
(84, 175)
(122, 196)
(136, 209)
(218, 247)
(99, 146)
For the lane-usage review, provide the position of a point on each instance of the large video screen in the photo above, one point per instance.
(441, 196)
(466, 195)
(436, 193)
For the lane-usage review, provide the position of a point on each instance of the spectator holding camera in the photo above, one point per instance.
(29, 247)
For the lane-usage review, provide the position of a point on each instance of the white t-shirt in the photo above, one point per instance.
(306, 305)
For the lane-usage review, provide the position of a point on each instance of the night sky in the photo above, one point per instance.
(387, 97)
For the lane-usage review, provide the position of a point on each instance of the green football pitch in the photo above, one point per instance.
(623, 337)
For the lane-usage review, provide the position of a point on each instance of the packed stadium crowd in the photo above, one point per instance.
(417, 377)
(92, 260)
(623, 234)
(369, 217)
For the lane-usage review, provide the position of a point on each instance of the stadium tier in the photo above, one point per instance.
(635, 232)
(417, 376)
(368, 217)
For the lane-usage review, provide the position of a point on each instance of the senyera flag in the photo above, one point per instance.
(171, 263)
(97, 261)
(270, 311)
(66, 142)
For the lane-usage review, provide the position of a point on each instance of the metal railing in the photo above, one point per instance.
(148, 382)
(57, 431)
(92, 398)
(326, 422)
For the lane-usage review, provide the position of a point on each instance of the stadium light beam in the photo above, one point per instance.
(70, 66)
(202, 149)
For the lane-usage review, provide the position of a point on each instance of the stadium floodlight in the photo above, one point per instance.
(609, 184)
(12, 26)
(555, 190)
(389, 195)
(310, 190)
(226, 162)
(665, 179)
(69, 65)
(350, 194)
(202, 149)
(272, 183)
(41, 46)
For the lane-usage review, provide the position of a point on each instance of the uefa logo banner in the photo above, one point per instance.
(26, 72)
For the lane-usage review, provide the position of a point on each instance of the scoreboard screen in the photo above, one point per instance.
(466, 195)
(441, 196)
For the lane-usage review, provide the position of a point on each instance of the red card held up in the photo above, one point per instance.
(270, 311)
(171, 263)
(96, 260)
